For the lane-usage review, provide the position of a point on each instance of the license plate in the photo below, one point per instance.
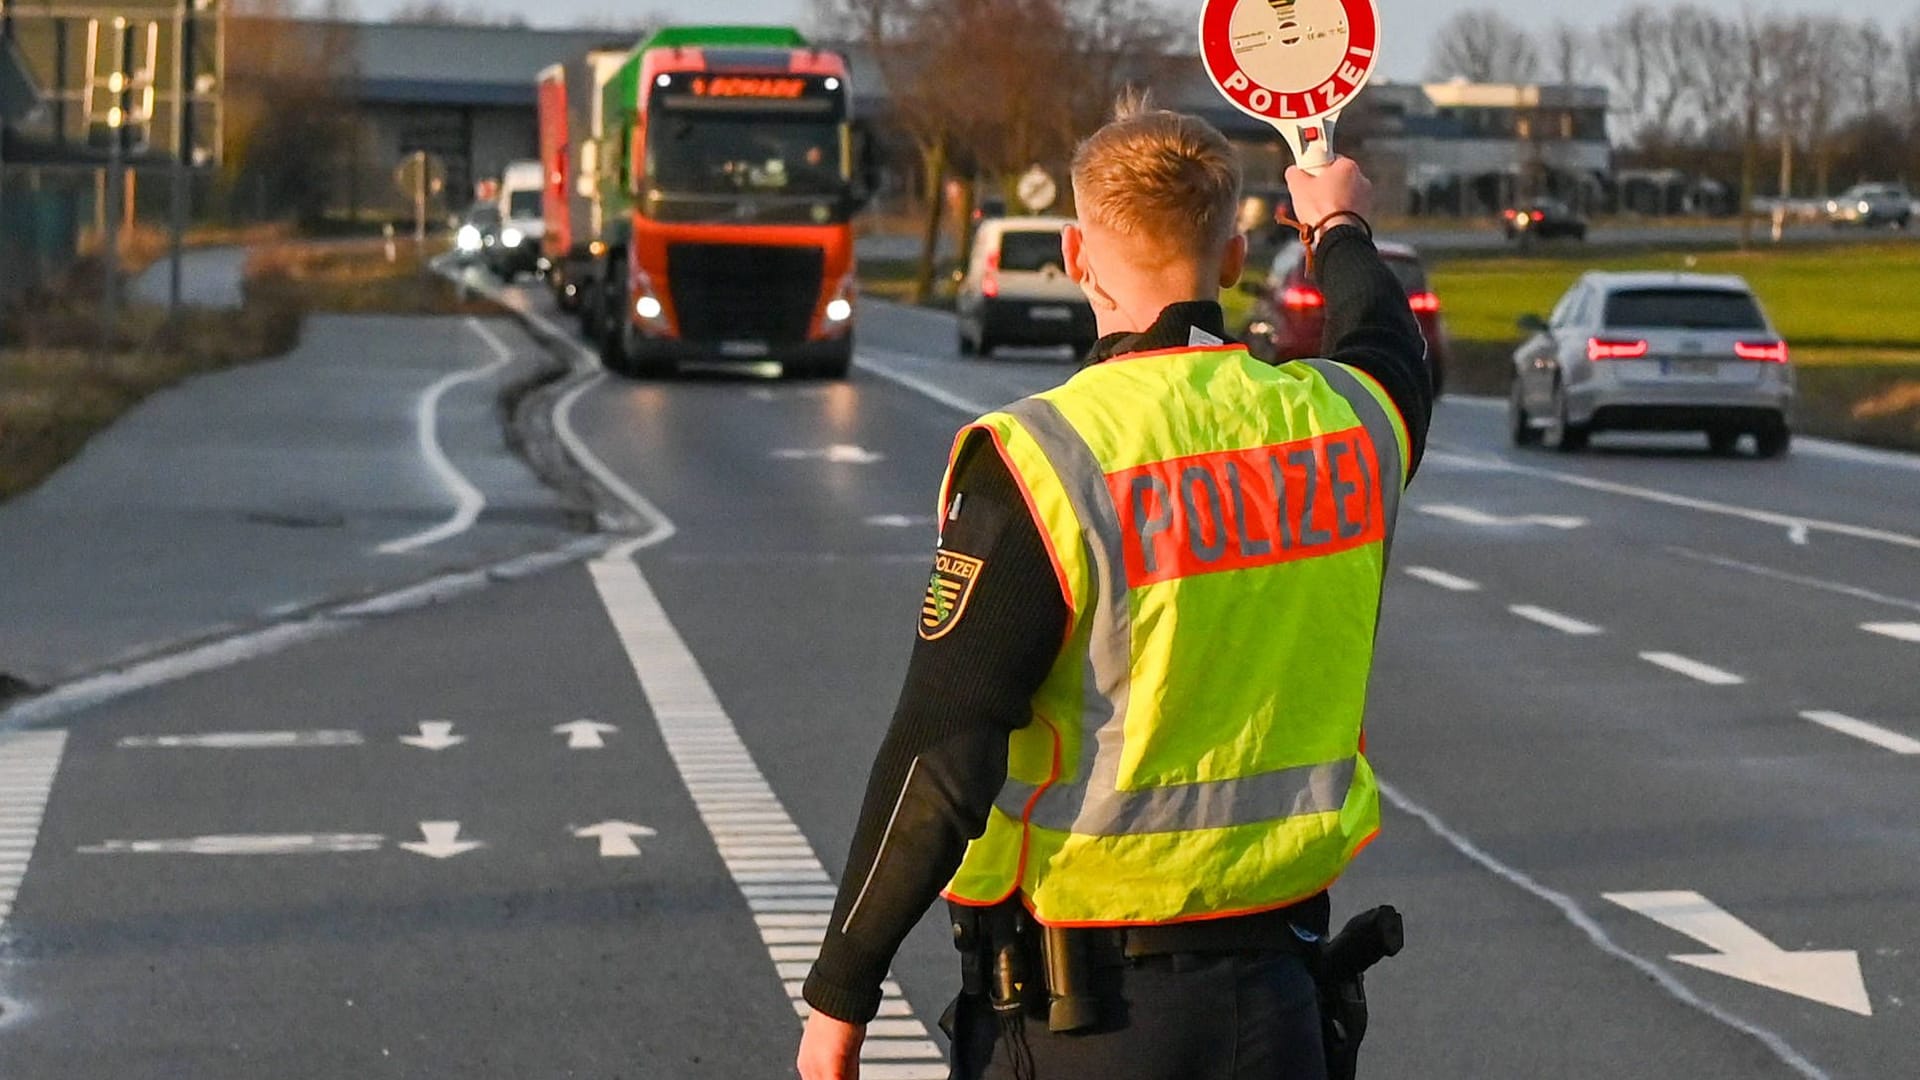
(1052, 314)
(743, 350)
(1690, 369)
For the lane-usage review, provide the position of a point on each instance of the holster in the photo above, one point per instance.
(1338, 967)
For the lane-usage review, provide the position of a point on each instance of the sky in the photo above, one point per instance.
(1409, 25)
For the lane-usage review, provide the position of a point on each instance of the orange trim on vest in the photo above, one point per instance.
(1026, 830)
(1033, 514)
(1406, 452)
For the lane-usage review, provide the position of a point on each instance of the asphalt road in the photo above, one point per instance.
(1590, 703)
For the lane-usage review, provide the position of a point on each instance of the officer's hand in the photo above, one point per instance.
(1340, 186)
(830, 1049)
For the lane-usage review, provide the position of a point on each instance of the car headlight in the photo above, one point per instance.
(512, 237)
(647, 307)
(469, 238)
(839, 310)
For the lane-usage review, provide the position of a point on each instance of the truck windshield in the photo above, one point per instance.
(747, 168)
(523, 204)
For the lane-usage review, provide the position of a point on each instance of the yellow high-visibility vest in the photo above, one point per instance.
(1220, 528)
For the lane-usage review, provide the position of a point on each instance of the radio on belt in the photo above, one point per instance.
(1293, 63)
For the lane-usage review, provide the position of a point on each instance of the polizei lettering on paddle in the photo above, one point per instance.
(1246, 508)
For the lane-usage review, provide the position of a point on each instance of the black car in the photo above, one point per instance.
(1542, 220)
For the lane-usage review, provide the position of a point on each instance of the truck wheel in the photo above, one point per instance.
(640, 362)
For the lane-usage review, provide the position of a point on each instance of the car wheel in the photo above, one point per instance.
(965, 344)
(1568, 437)
(1519, 424)
(1723, 442)
(1774, 440)
(984, 345)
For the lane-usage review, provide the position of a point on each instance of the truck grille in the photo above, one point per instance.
(740, 292)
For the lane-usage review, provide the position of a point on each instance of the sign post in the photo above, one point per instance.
(1295, 64)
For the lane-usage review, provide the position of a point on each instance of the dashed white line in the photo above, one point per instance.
(1566, 624)
(1899, 631)
(784, 884)
(1861, 729)
(467, 499)
(1443, 579)
(1692, 669)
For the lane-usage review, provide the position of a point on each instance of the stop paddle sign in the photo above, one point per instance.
(1293, 63)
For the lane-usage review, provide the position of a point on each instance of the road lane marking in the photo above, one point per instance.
(1467, 515)
(440, 840)
(1830, 977)
(1861, 729)
(1443, 579)
(243, 740)
(653, 527)
(1598, 936)
(836, 454)
(243, 844)
(31, 760)
(1708, 506)
(873, 366)
(1566, 624)
(1692, 669)
(1907, 631)
(467, 499)
(695, 725)
(1836, 587)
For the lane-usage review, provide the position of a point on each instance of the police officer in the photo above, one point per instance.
(1129, 747)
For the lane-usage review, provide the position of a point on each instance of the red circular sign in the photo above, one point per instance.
(1289, 60)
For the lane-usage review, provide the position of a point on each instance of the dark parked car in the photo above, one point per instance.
(1542, 220)
(1289, 311)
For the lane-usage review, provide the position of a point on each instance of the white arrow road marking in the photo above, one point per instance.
(1860, 729)
(1830, 977)
(585, 734)
(1692, 669)
(837, 454)
(440, 840)
(1450, 582)
(434, 735)
(29, 760)
(1467, 515)
(242, 740)
(616, 838)
(1899, 631)
(244, 844)
(785, 886)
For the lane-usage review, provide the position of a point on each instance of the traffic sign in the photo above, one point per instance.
(408, 176)
(1292, 63)
(1036, 189)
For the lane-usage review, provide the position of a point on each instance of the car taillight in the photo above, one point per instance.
(990, 281)
(1538, 216)
(1770, 352)
(1604, 349)
(1425, 303)
(1298, 297)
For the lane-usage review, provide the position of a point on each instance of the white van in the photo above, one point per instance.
(516, 247)
(1016, 290)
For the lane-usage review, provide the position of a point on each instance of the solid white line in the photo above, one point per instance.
(1596, 934)
(1842, 589)
(1860, 729)
(1708, 506)
(872, 365)
(1566, 624)
(654, 526)
(1899, 631)
(690, 715)
(467, 499)
(1443, 579)
(1692, 669)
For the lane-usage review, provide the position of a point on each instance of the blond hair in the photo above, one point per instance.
(1164, 178)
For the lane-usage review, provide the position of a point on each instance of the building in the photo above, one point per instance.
(1471, 148)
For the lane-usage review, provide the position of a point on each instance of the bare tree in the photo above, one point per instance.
(1482, 45)
(1569, 53)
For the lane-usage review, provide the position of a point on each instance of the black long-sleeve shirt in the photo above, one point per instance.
(944, 757)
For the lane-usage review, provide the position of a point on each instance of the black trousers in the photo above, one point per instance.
(1224, 1017)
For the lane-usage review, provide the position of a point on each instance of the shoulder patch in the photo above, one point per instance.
(949, 588)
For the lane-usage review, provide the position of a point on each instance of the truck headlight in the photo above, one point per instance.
(839, 309)
(647, 307)
(512, 237)
(468, 239)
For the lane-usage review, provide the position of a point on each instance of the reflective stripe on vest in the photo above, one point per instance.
(1093, 804)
